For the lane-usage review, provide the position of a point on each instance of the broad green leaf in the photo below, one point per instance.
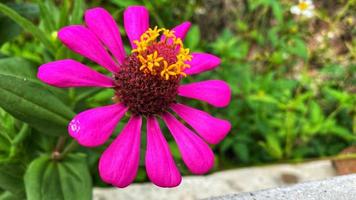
(27, 25)
(29, 100)
(11, 178)
(67, 179)
(18, 67)
(31, 103)
(24, 69)
(10, 29)
(193, 38)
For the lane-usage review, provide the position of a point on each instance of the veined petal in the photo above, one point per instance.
(94, 126)
(83, 41)
(214, 92)
(104, 26)
(119, 163)
(160, 165)
(196, 154)
(136, 22)
(202, 62)
(212, 129)
(70, 73)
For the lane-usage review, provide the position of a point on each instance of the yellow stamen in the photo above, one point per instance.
(152, 63)
(303, 5)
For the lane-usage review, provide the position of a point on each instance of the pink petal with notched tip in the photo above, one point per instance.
(136, 22)
(94, 126)
(181, 30)
(119, 163)
(196, 154)
(105, 28)
(70, 73)
(83, 41)
(214, 92)
(160, 165)
(202, 62)
(212, 129)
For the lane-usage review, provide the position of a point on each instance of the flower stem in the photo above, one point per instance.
(24, 131)
(60, 144)
(70, 147)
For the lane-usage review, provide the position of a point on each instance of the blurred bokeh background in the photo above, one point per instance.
(293, 77)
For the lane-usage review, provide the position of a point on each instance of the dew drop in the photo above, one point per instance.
(74, 126)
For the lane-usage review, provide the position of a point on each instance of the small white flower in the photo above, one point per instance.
(304, 7)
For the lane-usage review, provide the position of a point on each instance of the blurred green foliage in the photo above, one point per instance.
(293, 82)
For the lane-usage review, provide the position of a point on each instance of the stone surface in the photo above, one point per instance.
(225, 182)
(337, 188)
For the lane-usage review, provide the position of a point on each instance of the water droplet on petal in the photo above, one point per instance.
(74, 126)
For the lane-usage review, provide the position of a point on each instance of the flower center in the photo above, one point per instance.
(303, 5)
(149, 78)
(166, 57)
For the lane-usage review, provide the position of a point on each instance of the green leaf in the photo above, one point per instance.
(298, 47)
(27, 99)
(8, 28)
(68, 179)
(11, 178)
(47, 17)
(277, 10)
(18, 67)
(27, 25)
(193, 38)
(9, 196)
(78, 10)
(272, 146)
(125, 3)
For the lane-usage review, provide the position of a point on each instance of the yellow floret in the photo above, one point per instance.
(152, 63)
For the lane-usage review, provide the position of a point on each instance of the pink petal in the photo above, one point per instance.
(119, 163)
(212, 129)
(104, 26)
(160, 165)
(83, 41)
(181, 30)
(202, 62)
(70, 73)
(136, 22)
(214, 92)
(93, 127)
(196, 154)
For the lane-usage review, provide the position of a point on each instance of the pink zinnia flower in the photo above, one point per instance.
(146, 83)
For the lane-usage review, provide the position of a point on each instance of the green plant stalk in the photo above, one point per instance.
(27, 25)
(60, 143)
(70, 147)
(25, 130)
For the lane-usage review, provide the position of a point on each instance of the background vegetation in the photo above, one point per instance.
(293, 81)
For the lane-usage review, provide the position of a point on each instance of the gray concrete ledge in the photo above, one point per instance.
(337, 188)
(224, 182)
